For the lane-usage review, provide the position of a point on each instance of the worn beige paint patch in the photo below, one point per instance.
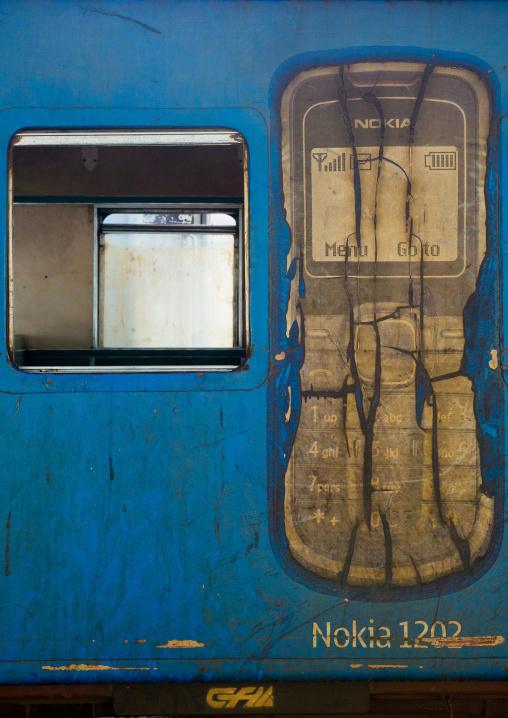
(89, 667)
(376, 493)
(465, 641)
(182, 644)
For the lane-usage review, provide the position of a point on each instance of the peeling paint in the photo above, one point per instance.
(182, 644)
(386, 665)
(17, 408)
(370, 326)
(99, 667)
(465, 641)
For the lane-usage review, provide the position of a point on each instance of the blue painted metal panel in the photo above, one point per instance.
(134, 507)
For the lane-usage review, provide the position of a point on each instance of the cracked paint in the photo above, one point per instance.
(99, 667)
(465, 641)
(389, 481)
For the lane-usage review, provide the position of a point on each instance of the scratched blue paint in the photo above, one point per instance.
(135, 507)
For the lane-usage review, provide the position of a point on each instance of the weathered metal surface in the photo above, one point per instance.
(396, 463)
(138, 543)
(215, 699)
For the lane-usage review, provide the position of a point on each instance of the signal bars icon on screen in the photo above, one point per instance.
(337, 164)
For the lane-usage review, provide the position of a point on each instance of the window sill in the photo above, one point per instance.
(118, 359)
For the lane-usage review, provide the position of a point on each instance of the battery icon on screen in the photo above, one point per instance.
(441, 160)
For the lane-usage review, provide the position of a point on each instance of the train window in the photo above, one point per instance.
(128, 251)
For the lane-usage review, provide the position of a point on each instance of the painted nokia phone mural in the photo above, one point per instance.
(388, 461)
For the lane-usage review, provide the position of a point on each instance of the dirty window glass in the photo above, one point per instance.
(166, 289)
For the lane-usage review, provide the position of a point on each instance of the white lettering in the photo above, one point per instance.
(375, 123)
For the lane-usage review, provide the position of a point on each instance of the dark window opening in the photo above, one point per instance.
(130, 254)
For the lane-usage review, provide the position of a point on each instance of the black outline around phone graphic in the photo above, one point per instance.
(388, 483)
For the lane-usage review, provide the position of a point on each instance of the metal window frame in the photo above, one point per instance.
(136, 137)
(124, 137)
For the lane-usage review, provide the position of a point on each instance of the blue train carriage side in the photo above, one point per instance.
(253, 390)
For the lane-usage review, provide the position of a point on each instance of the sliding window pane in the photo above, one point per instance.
(167, 290)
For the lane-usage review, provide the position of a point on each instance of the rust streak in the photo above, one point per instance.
(17, 408)
(464, 641)
(182, 644)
